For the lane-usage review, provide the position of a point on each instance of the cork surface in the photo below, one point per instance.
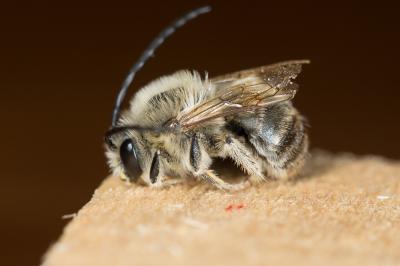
(344, 210)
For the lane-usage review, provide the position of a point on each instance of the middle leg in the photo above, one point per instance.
(200, 162)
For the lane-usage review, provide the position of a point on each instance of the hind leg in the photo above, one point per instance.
(244, 158)
(211, 177)
(200, 161)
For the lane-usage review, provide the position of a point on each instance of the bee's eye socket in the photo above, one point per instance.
(129, 159)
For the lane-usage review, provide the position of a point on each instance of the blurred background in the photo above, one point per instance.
(62, 65)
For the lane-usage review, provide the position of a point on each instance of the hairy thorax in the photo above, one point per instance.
(163, 99)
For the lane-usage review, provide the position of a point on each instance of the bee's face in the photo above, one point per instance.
(130, 157)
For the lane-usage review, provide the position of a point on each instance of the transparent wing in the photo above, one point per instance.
(244, 92)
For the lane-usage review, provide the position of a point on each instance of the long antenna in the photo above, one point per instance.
(149, 52)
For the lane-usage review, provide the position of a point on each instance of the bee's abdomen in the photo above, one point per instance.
(278, 135)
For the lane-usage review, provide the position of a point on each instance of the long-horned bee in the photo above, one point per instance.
(178, 123)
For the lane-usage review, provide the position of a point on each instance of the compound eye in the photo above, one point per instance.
(129, 159)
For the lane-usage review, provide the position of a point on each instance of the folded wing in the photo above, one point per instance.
(244, 92)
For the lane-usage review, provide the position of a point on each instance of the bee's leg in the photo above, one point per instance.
(200, 162)
(171, 182)
(198, 157)
(242, 156)
(157, 177)
(211, 177)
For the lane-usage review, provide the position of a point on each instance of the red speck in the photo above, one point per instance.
(240, 206)
(231, 207)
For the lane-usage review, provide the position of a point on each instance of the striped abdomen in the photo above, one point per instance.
(278, 136)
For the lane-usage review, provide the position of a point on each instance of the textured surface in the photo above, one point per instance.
(345, 210)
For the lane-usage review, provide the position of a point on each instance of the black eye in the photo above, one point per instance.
(129, 159)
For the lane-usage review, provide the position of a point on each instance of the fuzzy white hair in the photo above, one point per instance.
(184, 88)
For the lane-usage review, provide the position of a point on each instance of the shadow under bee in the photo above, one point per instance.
(228, 170)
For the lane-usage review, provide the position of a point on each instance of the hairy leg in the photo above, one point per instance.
(167, 182)
(211, 177)
(200, 162)
(244, 158)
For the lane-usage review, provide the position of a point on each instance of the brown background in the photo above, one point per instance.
(61, 66)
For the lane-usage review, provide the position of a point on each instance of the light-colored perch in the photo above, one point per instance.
(345, 211)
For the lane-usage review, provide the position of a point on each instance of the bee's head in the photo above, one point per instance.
(130, 156)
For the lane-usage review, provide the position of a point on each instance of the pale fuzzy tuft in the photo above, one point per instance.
(114, 162)
(184, 86)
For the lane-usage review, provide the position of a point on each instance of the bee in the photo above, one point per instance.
(177, 124)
